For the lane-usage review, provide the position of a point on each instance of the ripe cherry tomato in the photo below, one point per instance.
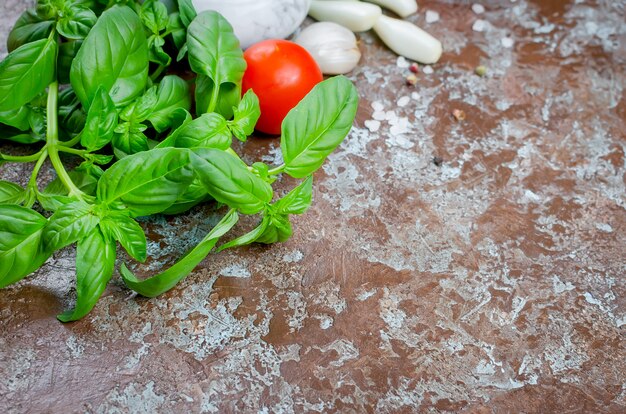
(280, 73)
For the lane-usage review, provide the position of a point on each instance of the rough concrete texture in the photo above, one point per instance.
(491, 282)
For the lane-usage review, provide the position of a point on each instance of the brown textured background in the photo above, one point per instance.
(493, 282)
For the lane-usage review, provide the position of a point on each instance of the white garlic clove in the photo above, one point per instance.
(408, 40)
(354, 15)
(333, 47)
(402, 8)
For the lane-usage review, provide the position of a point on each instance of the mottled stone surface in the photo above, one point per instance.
(489, 281)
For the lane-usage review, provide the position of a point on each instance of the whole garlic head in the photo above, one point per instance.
(333, 47)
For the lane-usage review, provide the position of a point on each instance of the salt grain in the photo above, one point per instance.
(478, 8)
(377, 106)
(479, 25)
(415, 96)
(427, 70)
(432, 16)
(402, 62)
(404, 101)
(372, 125)
(507, 42)
(379, 115)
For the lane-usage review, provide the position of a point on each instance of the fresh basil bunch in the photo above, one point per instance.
(85, 77)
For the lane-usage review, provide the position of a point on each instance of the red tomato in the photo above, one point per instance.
(280, 73)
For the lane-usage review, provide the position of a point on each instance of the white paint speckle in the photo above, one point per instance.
(604, 227)
(427, 70)
(415, 96)
(293, 257)
(432, 16)
(236, 270)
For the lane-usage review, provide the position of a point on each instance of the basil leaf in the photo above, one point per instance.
(114, 56)
(172, 94)
(28, 28)
(95, 261)
(101, 122)
(156, 53)
(68, 224)
(229, 97)
(246, 116)
(128, 232)
(129, 139)
(67, 53)
(229, 181)
(85, 182)
(177, 29)
(15, 135)
(298, 200)
(214, 51)
(278, 230)
(76, 22)
(166, 280)
(249, 237)
(148, 182)
(26, 73)
(20, 247)
(52, 202)
(193, 195)
(317, 125)
(11, 193)
(208, 131)
(187, 11)
(154, 16)
(17, 118)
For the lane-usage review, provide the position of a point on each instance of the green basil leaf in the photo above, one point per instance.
(101, 122)
(278, 230)
(193, 195)
(229, 97)
(249, 237)
(95, 261)
(208, 131)
(230, 182)
(68, 224)
(317, 125)
(214, 51)
(120, 227)
(172, 94)
(148, 182)
(84, 181)
(177, 29)
(17, 118)
(67, 53)
(166, 280)
(298, 200)
(154, 16)
(139, 110)
(11, 193)
(15, 135)
(26, 73)
(76, 22)
(20, 243)
(246, 116)
(52, 202)
(187, 11)
(28, 28)
(129, 139)
(156, 52)
(115, 56)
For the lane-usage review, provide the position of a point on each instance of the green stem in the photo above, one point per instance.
(82, 153)
(214, 95)
(53, 141)
(23, 158)
(32, 183)
(277, 170)
(157, 72)
(71, 142)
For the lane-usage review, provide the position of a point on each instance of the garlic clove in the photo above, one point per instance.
(408, 40)
(334, 47)
(402, 8)
(354, 15)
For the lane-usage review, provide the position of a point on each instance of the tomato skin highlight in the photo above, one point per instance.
(280, 73)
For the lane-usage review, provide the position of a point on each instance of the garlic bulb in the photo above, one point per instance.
(402, 8)
(408, 40)
(354, 15)
(333, 47)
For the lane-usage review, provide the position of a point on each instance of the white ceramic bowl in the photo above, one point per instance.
(256, 20)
